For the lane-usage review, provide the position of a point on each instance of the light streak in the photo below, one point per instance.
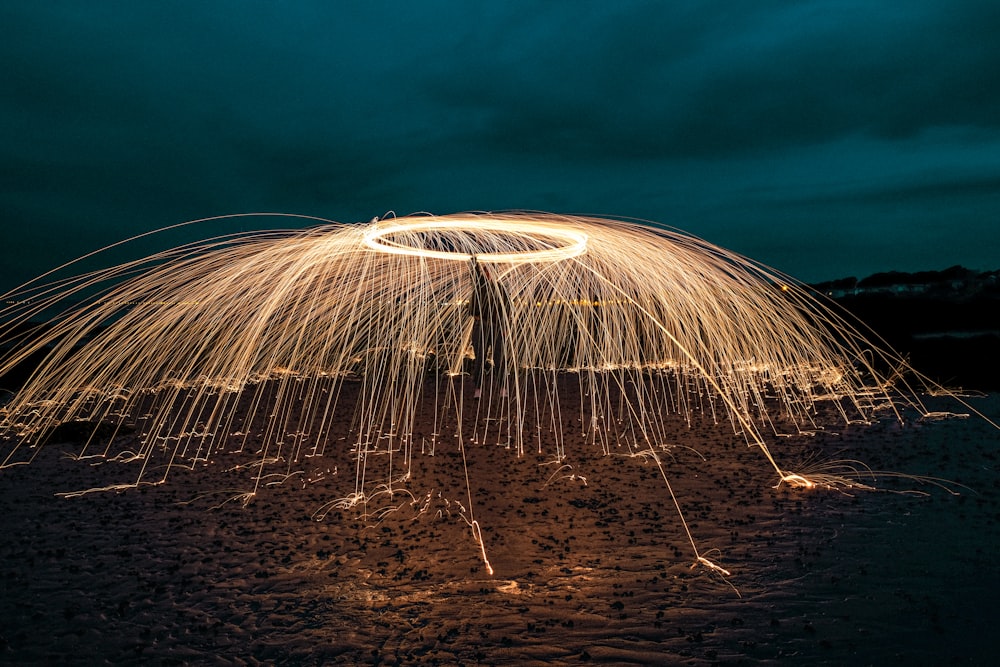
(472, 234)
(622, 324)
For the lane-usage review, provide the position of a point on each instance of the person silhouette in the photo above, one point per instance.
(489, 308)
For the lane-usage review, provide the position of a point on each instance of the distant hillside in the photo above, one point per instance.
(955, 281)
(947, 322)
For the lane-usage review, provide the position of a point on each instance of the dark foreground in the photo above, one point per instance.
(591, 563)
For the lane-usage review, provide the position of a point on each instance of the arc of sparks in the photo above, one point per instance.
(647, 323)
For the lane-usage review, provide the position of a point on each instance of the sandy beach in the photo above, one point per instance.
(591, 564)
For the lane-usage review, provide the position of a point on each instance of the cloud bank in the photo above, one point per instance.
(823, 138)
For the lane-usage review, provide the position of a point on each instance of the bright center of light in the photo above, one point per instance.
(569, 242)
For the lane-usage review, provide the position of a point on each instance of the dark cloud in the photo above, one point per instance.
(741, 122)
(662, 83)
(943, 191)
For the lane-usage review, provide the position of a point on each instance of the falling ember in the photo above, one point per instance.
(645, 324)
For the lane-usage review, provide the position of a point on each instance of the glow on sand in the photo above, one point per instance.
(647, 325)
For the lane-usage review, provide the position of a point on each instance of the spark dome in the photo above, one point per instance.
(280, 345)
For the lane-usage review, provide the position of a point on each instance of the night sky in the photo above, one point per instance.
(826, 139)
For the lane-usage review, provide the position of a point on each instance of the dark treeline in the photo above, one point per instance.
(955, 279)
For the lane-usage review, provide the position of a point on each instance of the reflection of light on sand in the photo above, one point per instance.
(287, 340)
(511, 588)
(443, 592)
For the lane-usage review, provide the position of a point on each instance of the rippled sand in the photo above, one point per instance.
(591, 562)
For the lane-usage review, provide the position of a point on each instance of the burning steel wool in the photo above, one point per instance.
(348, 335)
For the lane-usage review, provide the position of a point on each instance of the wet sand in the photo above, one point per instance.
(591, 562)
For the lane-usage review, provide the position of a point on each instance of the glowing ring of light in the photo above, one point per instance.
(575, 241)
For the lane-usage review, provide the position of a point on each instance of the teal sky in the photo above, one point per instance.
(825, 139)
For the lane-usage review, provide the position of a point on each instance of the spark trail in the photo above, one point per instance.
(647, 323)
